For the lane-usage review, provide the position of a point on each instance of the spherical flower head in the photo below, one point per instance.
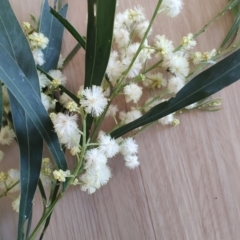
(58, 76)
(38, 40)
(3, 177)
(6, 135)
(197, 58)
(16, 204)
(38, 56)
(93, 101)
(175, 84)
(188, 42)
(137, 14)
(114, 68)
(132, 92)
(1, 155)
(208, 55)
(131, 161)
(128, 147)
(72, 106)
(74, 150)
(122, 21)
(43, 80)
(178, 65)
(94, 158)
(107, 145)
(67, 129)
(175, 122)
(55, 83)
(60, 175)
(46, 172)
(26, 25)
(163, 45)
(94, 178)
(171, 7)
(121, 37)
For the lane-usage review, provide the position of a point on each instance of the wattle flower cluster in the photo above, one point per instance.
(139, 66)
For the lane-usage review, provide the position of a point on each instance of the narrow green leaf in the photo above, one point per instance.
(19, 86)
(30, 144)
(205, 84)
(69, 27)
(1, 105)
(99, 41)
(53, 30)
(232, 32)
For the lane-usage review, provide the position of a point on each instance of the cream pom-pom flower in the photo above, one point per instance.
(132, 92)
(171, 7)
(38, 40)
(67, 129)
(6, 135)
(93, 100)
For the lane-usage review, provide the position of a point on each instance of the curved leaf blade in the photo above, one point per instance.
(19, 86)
(30, 144)
(204, 85)
(70, 28)
(53, 30)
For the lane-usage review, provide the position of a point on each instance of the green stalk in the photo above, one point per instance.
(46, 214)
(8, 189)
